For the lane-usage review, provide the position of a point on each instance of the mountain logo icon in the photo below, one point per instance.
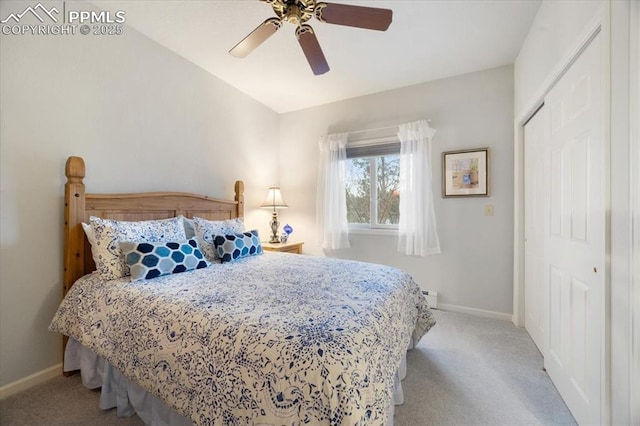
(38, 11)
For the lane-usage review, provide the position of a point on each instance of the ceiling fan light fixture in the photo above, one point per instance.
(293, 14)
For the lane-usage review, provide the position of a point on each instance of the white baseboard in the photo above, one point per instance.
(30, 381)
(477, 312)
(514, 320)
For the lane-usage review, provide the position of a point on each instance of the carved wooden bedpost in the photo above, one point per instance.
(240, 197)
(73, 210)
(73, 233)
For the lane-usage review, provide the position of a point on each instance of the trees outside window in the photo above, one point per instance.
(372, 188)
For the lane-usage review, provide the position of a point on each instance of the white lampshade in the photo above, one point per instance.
(274, 199)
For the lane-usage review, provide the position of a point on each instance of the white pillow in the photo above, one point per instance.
(109, 232)
(189, 229)
(206, 230)
(88, 231)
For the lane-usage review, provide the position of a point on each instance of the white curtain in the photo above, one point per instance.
(333, 229)
(417, 234)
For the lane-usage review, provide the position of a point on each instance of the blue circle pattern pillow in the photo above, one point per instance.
(151, 260)
(235, 246)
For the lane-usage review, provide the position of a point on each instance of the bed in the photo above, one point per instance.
(266, 339)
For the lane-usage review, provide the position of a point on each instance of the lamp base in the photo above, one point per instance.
(275, 224)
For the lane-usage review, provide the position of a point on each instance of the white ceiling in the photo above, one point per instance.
(427, 40)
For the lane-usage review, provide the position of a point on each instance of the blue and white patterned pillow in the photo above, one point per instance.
(235, 246)
(152, 260)
(206, 230)
(109, 232)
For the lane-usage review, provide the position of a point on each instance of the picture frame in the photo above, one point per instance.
(465, 173)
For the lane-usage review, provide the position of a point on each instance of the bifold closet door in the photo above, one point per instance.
(536, 133)
(574, 237)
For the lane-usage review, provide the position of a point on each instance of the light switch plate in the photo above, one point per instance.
(488, 209)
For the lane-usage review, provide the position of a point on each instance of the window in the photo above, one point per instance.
(372, 181)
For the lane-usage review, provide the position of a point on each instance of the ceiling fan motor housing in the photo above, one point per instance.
(295, 12)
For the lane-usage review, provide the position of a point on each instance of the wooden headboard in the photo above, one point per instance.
(79, 206)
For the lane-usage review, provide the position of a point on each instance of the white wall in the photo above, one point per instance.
(555, 35)
(472, 110)
(634, 70)
(143, 118)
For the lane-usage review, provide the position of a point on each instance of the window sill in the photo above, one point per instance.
(374, 231)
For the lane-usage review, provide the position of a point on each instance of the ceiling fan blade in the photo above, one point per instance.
(312, 50)
(371, 18)
(256, 38)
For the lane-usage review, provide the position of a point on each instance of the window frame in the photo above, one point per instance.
(373, 227)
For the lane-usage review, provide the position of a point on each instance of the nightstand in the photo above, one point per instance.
(295, 247)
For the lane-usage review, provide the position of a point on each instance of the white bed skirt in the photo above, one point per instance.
(128, 398)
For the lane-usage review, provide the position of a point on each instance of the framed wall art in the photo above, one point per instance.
(465, 173)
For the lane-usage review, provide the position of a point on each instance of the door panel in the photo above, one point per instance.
(535, 133)
(579, 300)
(574, 244)
(579, 188)
(556, 194)
(555, 316)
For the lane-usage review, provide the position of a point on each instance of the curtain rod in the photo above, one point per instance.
(374, 130)
(378, 129)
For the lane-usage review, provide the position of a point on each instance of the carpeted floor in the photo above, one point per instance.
(476, 371)
(465, 371)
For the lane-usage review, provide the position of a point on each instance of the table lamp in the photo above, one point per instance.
(274, 200)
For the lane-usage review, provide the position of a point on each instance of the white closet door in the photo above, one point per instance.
(574, 242)
(536, 134)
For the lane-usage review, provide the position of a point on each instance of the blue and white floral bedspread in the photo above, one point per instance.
(277, 339)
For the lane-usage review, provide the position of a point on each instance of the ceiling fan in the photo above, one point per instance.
(298, 12)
